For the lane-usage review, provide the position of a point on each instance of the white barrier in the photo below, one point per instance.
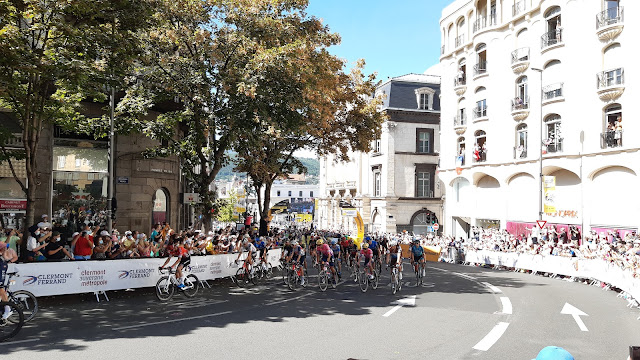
(75, 277)
(585, 268)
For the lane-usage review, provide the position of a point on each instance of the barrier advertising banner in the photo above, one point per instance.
(75, 277)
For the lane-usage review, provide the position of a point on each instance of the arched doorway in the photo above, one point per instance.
(422, 222)
(160, 211)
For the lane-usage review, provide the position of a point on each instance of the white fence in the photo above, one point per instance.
(75, 277)
(585, 268)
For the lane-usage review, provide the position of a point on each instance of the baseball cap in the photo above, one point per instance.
(104, 233)
(75, 233)
(127, 232)
(554, 353)
(45, 216)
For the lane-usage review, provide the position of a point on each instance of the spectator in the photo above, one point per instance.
(53, 251)
(35, 243)
(7, 253)
(83, 245)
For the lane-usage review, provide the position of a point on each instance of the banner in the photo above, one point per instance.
(75, 277)
(549, 185)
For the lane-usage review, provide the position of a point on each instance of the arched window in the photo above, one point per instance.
(521, 141)
(461, 76)
(423, 221)
(480, 146)
(160, 211)
(554, 29)
(462, 113)
(460, 152)
(553, 142)
(461, 32)
(522, 89)
(612, 135)
(481, 59)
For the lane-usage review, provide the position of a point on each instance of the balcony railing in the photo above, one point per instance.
(480, 68)
(520, 55)
(519, 103)
(610, 78)
(552, 91)
(460, 120)
(480, 156)
(551, 38)
(479, 24)
(425, 194)
(480, 112)
(611, 139)
(519, 152)
(553, 145)
(610, 16)
(493, 19)
(459, 81)
(459, 40)
(519, 7)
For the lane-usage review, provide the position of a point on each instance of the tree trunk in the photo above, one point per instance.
(264, 221)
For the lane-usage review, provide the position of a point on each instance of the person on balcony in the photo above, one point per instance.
(618, 131)
(476, 152)
(460, 76)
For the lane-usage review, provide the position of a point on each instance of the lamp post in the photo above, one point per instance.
(540, 196)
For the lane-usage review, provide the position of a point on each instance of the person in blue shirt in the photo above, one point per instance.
(335, 247)
(373, 245)
(417, 255)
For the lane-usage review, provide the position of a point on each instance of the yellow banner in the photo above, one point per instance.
(304, 217)
(549, 186)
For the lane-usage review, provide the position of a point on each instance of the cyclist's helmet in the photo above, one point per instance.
(416, 241)
(368, 238)
(294, 242)
(334, 241)
(365, 246)
(319, 242)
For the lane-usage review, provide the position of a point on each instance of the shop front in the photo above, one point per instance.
(13, 204)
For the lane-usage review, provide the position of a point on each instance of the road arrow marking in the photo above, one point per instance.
(408, 301)
(569, 309)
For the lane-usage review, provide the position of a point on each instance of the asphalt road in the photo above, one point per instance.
(461, 312)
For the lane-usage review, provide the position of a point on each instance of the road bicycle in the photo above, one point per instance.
(419, 269)
(354, 269)
(167, 284)
(396, 283)
(326, 277)
(22, 298)
(264, 270)
(367, 277)
(246, 274)
(295, 274)
(10, 326)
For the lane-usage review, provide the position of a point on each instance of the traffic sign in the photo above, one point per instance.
(541, 223)
(436, 227)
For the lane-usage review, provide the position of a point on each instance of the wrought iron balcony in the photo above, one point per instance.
(610, 84)
(611, 139)
(519, 152)
(551, 38)
(520, 108)
(460, 120)
(479, 24)
(520, 55)
(519, 7)
(459, 40)
(480, 68)
(551, 92)
(460, 84)
(553, 146)
(479, 113)
(610, 16)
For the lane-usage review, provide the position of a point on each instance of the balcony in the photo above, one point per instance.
(350, 184)
(459, 41)
(552, 146)
(552, 93)
(520, 60)
(480, 114)
(611, 139)
(610, 84)
(609, 23)
(519, 108)
(480, 156)
(479, 24)
(519, 152)
(460, 124)
(552, 40)
(480, 69)
(460, 85)
(518, 8)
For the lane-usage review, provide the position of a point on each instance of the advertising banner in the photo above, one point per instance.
(549, 186)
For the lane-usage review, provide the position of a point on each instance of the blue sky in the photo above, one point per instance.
(394, 37)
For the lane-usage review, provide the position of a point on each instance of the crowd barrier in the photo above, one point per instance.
(595, 269)
(75, 277)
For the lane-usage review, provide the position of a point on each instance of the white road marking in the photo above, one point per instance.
(287, 300)
(506, 305)
(171, 321)
(394, 309)
(20, 341)
(569, 309)
(408, 301)
(465, 276)
(492, 337)
(493, 288)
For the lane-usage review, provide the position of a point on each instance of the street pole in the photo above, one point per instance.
(110, 185)
(541, 195)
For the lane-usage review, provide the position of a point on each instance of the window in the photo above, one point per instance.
(460, 152)
(480, 147)
(311, 194)
(521, 142)
(78, 163)
(424, 97)
(554, 30)
(289, 193)
(612, 14)
(278, 193)
(62, 161)
(612, 135)
(481, 109)
(553, 142)
(423, 184)
(300, 194)
(462, 115)
(522, 88)
(461, 77)
(160, 209)
(424, 140)
(481, 60)
(377, 146)
(377, 183)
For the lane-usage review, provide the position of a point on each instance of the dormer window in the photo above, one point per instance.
(424, 97)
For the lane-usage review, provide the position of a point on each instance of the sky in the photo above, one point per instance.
(394, 37)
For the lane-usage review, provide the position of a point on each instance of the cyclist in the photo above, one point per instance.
(251, 256)
(373, 245)
(262, 247)
(298, 257)
(184, 259)
(367, 254)
(4, 265)
(286, 250)
(335, 247)
(353, 251)
(327, 255)
(417, 255)
(394, 256)
(344, 246)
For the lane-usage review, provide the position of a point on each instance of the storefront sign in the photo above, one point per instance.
(13, 205)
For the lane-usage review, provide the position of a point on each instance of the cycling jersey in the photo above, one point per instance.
(367, 253)
(373, 245)
(251, 250)
(336, 249)
(325, 250)
(417, 251)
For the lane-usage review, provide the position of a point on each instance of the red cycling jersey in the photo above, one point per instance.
(367, 253)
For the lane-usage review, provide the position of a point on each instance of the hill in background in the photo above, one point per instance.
(312, 165)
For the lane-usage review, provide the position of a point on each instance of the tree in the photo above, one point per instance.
(53, 55)
(301, 98)
(226, 207)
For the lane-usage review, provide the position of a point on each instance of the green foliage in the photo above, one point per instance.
(225, 207)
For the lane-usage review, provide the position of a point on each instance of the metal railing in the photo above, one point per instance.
(552, 91)
(519, 7)
(610, 16)
(428, 195)
(459, 40)
(611, 139)
(460, 81)
(610, 78)
(460, 120)
(519, 103)
(493, 20)
(519, 152)
(553, 145)
(480, 157)
(551, 38)
(520, 55)
(479, 24)
(479, 112)
(480, 68)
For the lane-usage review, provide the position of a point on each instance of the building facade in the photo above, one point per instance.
(533, 89)
(395, 187)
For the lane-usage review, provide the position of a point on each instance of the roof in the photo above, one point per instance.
(414, 78)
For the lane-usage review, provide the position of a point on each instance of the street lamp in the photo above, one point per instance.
(540, 197)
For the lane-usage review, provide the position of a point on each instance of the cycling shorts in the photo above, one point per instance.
(376, 252)
(328, 259)
(418, 258)
(185, 261)
(394, 259)
(366, 261)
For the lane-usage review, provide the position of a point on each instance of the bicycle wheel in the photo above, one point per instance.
(253, 276)
(323, 281)
(364, 281)
(292, 281)
(191, 284)
(285, 274)
(164, 289)
(269, 271)
(375, 280)
(27, 302)
(334, 281)
(12, 325)
(241, 277)
(394, 281)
